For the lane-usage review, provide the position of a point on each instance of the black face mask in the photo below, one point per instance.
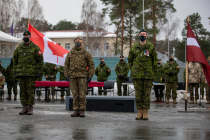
(102, 63)
(26, 39)
(77, 44)
(142, 38)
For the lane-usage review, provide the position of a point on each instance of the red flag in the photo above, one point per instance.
(195, 54)
(52, 52)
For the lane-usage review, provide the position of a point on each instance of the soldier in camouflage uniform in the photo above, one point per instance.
(102, 72)
(194, 77)
(158, 78)
(50, 72)
(203, 84)
(171, 70)
(142, 59)
(26, 56)
(2, 80)
(122, 70)
(10, 79)
(79, 67)
(63, 78)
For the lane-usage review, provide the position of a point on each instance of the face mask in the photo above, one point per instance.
(102, 62)
(77, 44)
(142, 38)
(26, 39)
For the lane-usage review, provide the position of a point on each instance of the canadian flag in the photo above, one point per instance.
(52, 52)
(195, 54)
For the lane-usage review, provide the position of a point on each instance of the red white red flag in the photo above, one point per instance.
(195, 54)
(52, 52)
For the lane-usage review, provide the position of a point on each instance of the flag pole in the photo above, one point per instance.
(186, 71)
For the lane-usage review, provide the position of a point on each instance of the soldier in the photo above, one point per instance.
(122, 70)
(50, 72)
(171, 70)
(63, 78)
(10, 79)
(102, 72)
(203, 84)
(142, 59)
(2, 80)
(26, 56)
(158, 78)
(79, 67)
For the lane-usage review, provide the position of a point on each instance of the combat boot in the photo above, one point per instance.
(174, 101)
(82, 113)
(9, 98)
(139, 115)
(167, 101)
(75, 114)
(24, 111)
(15, 97)
(30, 110)
(145, 114)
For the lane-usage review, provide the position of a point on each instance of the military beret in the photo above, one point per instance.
(26, 33)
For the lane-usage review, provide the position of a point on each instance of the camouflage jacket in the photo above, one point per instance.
(50, 71)
(8, 73)
(159, 74)
(171, 72)
(122, 70)
(142, 60)
(26, 59)
(79, 63)
(102, 72)
(203, 78)
(194, 72)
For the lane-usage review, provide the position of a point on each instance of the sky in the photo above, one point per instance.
(56, 10)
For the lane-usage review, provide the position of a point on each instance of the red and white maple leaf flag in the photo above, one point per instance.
(195, 54)
(52, 52)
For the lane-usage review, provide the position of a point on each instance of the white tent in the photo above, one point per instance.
(8, 38)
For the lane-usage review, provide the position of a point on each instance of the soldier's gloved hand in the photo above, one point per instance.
(89, 80)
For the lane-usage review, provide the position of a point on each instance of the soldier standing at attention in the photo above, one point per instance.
(171, 70)
(102, 72)
(25, 60)
(158, 78)
(50, 72)
(10, 79)
(142, 60)
(122, 70)
(79, 67)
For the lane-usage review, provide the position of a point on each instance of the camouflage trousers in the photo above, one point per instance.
(119, 89)
(12, 86)
(51, 90)
(27, 88)
(78, 88)
(142, 91)
(202, 86)
(171, 87)
(193, 86)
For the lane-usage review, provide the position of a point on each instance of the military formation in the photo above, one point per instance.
(146, 71)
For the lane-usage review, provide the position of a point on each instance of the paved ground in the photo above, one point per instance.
(53, 122)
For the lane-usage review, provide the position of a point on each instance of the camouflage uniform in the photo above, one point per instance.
(194, 76)
(171, 70)
(25, 60)
(2, 80)
(79, 66)
(50, 72)
(10, 79)
(158, 78)
(63, 78)
(102, 72)
(122, 70)
(142, 60)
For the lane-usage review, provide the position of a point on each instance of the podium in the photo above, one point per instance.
(106, 103)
